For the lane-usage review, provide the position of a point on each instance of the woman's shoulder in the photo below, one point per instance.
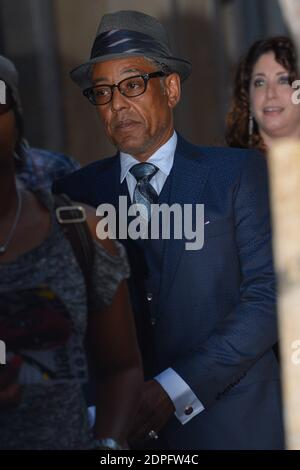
(93, 221)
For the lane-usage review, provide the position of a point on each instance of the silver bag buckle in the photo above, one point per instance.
(65, 214)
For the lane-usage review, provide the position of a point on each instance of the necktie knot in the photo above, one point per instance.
(143, 171)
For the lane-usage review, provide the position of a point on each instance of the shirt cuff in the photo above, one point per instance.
(186, 403)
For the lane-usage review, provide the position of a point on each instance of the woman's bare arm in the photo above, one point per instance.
(112, 339)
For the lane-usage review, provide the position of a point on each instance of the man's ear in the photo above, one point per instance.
(173, 89)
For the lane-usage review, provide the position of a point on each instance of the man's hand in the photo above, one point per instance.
(155, 411)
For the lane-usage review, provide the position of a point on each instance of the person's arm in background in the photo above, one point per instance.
(112, 340)
(10, 391)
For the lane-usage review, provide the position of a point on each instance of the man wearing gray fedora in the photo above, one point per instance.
(205, 317)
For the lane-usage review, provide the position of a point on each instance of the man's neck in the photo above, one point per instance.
(144, 156)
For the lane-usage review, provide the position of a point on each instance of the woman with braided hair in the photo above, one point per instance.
(49, 312)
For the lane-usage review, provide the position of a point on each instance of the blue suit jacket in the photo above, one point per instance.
(216, 314)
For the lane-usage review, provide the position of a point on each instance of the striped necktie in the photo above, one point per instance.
(144, 192)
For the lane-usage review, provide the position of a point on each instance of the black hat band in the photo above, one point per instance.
(126, 41)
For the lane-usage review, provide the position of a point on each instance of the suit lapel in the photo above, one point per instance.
(107, 182)
(189, 175)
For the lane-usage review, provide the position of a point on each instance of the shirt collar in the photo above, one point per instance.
(163, 158)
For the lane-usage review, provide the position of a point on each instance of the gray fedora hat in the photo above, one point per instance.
(130, 33)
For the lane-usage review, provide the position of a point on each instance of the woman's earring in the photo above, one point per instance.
(250, 125)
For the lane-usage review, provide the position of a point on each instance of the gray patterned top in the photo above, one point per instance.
(43, 298)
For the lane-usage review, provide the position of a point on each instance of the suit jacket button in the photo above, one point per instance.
(188, 410)
(149, 296)
(153, 321)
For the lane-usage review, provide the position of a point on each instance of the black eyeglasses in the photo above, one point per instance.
(129, 87)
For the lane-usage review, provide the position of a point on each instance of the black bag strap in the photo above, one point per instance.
(72, 218)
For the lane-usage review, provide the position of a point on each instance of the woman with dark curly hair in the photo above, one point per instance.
(262, 109)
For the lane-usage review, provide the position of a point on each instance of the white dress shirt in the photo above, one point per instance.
(163, 159)
(186, 403)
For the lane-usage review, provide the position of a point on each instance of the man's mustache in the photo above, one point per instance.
(123, 122)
